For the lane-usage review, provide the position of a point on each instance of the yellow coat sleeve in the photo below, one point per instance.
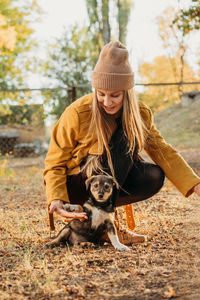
(163, 154)
(63, 141)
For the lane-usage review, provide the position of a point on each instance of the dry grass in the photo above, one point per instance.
(179, 125)
(166, 266)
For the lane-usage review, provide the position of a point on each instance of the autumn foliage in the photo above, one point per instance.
(161, 70)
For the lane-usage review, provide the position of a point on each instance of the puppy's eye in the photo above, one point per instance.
(96, 185)
(107, 186)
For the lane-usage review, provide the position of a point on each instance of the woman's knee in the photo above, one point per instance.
(150, 184)
(156, 177)
(144, 182)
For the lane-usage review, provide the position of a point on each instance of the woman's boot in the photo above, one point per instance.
(126, 236)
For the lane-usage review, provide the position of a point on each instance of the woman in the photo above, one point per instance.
(105, 132)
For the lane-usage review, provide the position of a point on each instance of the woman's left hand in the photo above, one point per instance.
(196, 189)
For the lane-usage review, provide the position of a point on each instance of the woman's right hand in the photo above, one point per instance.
(58, 207)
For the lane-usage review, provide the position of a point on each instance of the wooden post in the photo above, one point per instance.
(73, 93)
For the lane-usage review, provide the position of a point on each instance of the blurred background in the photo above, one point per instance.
(48, 50)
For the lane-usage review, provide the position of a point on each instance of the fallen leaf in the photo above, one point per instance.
(170, 293)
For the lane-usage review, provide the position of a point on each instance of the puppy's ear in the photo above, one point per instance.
(88, 181)
(116, 184)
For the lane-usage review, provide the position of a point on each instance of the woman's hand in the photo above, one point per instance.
(58, 207)
(196, 189)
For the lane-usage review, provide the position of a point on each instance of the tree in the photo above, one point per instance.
(74, 55)
(101, 22)
(159, 71)
(15, 41)
(175, 43)
(188, 20)
(124, 8)
(69, 65)
(15, 20)
(7, 34)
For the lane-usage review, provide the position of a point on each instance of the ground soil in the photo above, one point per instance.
(166, 266)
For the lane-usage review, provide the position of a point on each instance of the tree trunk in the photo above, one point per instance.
(100, 26)
(124, 9)
(105, 22)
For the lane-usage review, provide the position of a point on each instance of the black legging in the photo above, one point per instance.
(143, 181)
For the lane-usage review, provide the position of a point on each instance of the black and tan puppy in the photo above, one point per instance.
(99, 210)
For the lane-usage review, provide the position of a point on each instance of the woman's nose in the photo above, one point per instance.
(107, 101)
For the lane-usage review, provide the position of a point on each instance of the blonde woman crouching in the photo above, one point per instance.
(105, 131)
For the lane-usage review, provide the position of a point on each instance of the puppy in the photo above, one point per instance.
(99, 210)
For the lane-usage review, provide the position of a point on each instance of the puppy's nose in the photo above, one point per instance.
(100, 196)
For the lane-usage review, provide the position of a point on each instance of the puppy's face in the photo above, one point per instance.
(101, 187)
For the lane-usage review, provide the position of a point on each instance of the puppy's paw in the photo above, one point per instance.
(73, 207)
(122, 247)
(55, 244)
(50, 245)
(86, 245)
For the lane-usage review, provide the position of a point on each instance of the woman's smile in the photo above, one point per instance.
(109, 108)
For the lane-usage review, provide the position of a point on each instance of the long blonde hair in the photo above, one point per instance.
(102, 126)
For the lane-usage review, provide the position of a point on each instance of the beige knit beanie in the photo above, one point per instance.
(113, 71)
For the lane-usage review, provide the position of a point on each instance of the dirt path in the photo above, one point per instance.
(166, 266)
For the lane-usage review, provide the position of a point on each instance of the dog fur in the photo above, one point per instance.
(100, 217)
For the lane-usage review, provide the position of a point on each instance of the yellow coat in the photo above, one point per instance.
(69, 145)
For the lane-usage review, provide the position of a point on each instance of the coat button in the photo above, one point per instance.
(99, 148)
